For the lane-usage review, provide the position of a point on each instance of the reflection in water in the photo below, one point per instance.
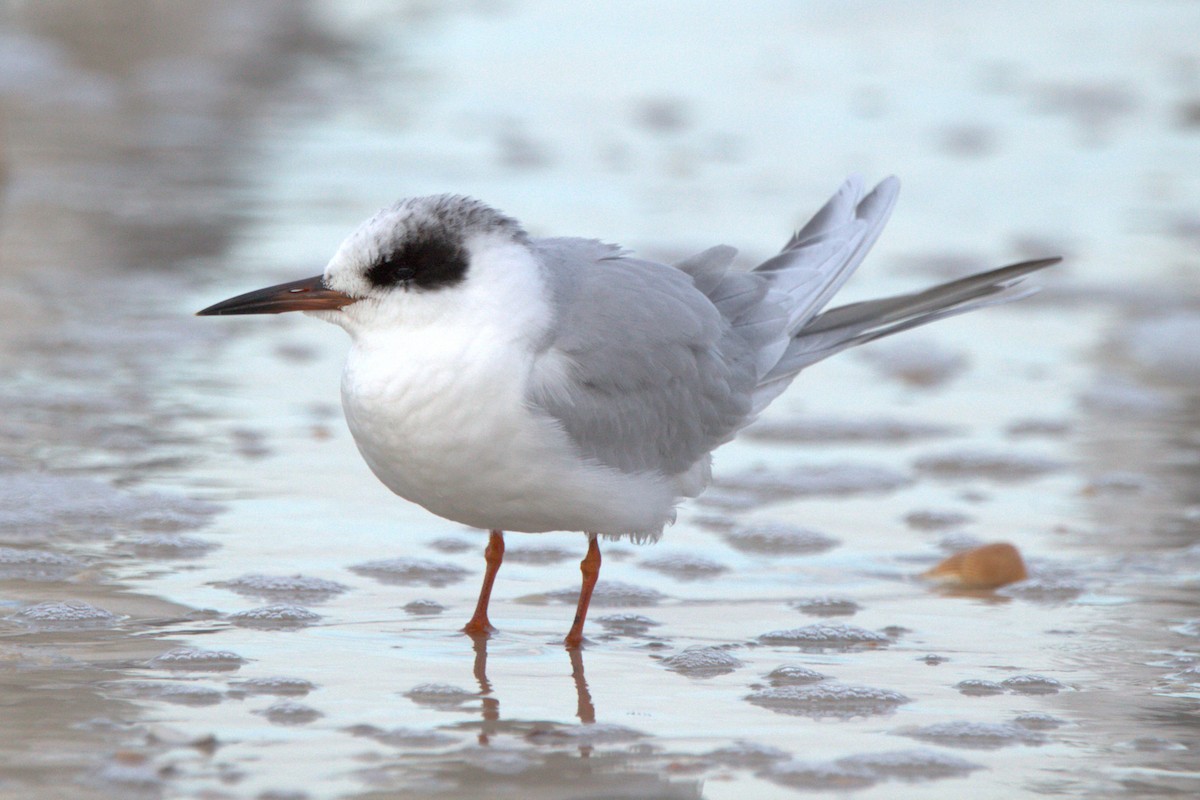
(490, 709)
(529, 757)
(149, 148)
(585, 711)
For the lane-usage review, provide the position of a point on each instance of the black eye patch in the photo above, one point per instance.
(422, 260)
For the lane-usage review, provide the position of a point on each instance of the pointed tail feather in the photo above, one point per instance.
(858, 323)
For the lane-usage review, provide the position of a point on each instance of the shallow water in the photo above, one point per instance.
(204, 593)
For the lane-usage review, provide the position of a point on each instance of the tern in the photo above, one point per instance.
(514, 383)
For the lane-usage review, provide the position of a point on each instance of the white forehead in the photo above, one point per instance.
(347, 270)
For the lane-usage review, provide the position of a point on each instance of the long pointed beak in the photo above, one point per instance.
(310, 294)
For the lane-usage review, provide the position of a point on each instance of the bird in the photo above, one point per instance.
(531, 384)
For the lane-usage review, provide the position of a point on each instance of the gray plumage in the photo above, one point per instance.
(656, 374)
(665, 363)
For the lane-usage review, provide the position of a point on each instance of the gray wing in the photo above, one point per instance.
(650, 367)
(642, 370)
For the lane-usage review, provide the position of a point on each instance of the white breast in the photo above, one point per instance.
(437, 406)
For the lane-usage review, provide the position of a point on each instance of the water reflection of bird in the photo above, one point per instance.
(522, 384)
(489, 709)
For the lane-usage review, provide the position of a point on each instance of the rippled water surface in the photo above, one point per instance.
(204, 593)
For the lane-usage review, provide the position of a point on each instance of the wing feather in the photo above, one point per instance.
(649, 367)
(641, 369)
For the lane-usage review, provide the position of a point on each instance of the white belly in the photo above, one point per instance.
(443, 421)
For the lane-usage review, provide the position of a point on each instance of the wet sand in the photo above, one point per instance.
(204, 592)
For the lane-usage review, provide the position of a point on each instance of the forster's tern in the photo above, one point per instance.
(520, 384)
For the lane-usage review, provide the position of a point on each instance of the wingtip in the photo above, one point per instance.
(1034, 264)
(890, 184)
(884, 193)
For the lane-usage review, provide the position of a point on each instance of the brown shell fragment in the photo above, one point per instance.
(987, 567)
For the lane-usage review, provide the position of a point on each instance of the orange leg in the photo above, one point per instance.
(590, 567)
(494, 554)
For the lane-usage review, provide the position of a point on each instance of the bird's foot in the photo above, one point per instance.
(478, 628)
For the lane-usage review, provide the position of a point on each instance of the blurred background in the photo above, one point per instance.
(160, 474)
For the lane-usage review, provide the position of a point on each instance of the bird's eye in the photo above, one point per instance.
(391, 270)
(423, 260)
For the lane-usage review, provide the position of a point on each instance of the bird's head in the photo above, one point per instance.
(403, 261)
